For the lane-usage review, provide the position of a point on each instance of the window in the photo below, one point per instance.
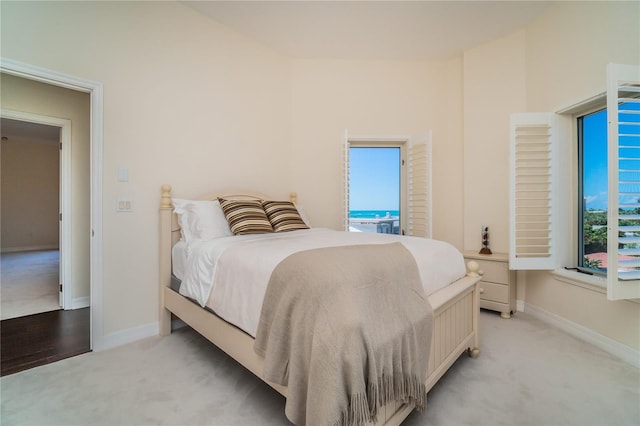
(592, 191)
(608, 169)
(375, 174)
(412, 158)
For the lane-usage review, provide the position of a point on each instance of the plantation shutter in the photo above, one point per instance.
(419, 187)
(345, 181)
(532, 206)
(623, 237)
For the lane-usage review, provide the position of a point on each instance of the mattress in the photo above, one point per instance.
(229, 275)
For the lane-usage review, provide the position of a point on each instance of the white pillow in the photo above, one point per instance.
(201, 219)
(303, 215)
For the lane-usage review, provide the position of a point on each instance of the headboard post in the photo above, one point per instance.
(166, 213)
(165, 196)
(293, 197)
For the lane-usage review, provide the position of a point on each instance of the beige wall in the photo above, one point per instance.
(494, 87)
(186, 102)
(30, 181)
(19, 94)
(375, 99)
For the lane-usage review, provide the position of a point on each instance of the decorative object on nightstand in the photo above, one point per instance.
(498, 284)
(485, 240)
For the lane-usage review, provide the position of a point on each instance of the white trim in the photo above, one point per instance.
(29, 248)
(379, 139)
(520, 305)
(587, 104)
(595, 283)
(611, 346)
(346, 163)
(80, 302)
(65, 240)
(95, 90)
(590, 282)
(129, 335)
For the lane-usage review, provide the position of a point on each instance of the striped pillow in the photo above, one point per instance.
(245, 216)
(283, 216)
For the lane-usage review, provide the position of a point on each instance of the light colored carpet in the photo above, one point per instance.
(527, 374)
(29, 283)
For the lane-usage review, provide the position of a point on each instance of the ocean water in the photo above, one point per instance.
(372, 214)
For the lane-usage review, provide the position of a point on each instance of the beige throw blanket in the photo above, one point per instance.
(346, 329)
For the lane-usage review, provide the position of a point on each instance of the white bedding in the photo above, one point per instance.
(179, 258)
(230, 274)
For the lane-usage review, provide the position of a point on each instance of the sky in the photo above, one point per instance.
(595, 157)
(374, 179)
(595, 160)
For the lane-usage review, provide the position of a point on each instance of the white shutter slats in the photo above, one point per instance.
(419, 187)
(623, 218)
(345, 180)
(531, 200)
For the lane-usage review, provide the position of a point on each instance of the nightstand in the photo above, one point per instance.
(498, 284)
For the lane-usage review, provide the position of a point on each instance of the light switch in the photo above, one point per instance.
(123, 174)
(123, 205)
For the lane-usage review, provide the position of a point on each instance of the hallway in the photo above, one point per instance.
(29, 283)
(43, 338)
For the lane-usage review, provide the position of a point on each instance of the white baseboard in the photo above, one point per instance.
(80, 302)
(29, 248)
(611, 346)
(129, 335)
(520, 305)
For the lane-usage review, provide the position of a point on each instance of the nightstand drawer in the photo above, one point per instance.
(494, 292)
(498, 283)
(496, 306)
(497, 272)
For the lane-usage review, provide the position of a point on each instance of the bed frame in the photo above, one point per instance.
(455, 324)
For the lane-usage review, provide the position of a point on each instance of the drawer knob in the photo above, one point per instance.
(481, 290)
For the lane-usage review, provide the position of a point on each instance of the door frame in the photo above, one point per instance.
(64, 192)
(95, 91)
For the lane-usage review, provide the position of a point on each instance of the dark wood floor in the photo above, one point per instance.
(39, 339)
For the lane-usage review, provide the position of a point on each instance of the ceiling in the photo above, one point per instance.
(26, 131)
(373, 30)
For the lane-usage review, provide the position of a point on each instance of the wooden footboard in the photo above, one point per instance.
(455, 331)
(456, 309)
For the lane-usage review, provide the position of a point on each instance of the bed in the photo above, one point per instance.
(453, 324)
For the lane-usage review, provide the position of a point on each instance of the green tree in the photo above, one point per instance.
(595, 231)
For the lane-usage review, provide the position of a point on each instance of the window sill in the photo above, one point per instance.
(590, 282)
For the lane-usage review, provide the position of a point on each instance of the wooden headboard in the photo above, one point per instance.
(235, 194)
(170, 229)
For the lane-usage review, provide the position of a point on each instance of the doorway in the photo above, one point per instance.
(31, 176)
(375, 189)
(36, 245)
(95, 109)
